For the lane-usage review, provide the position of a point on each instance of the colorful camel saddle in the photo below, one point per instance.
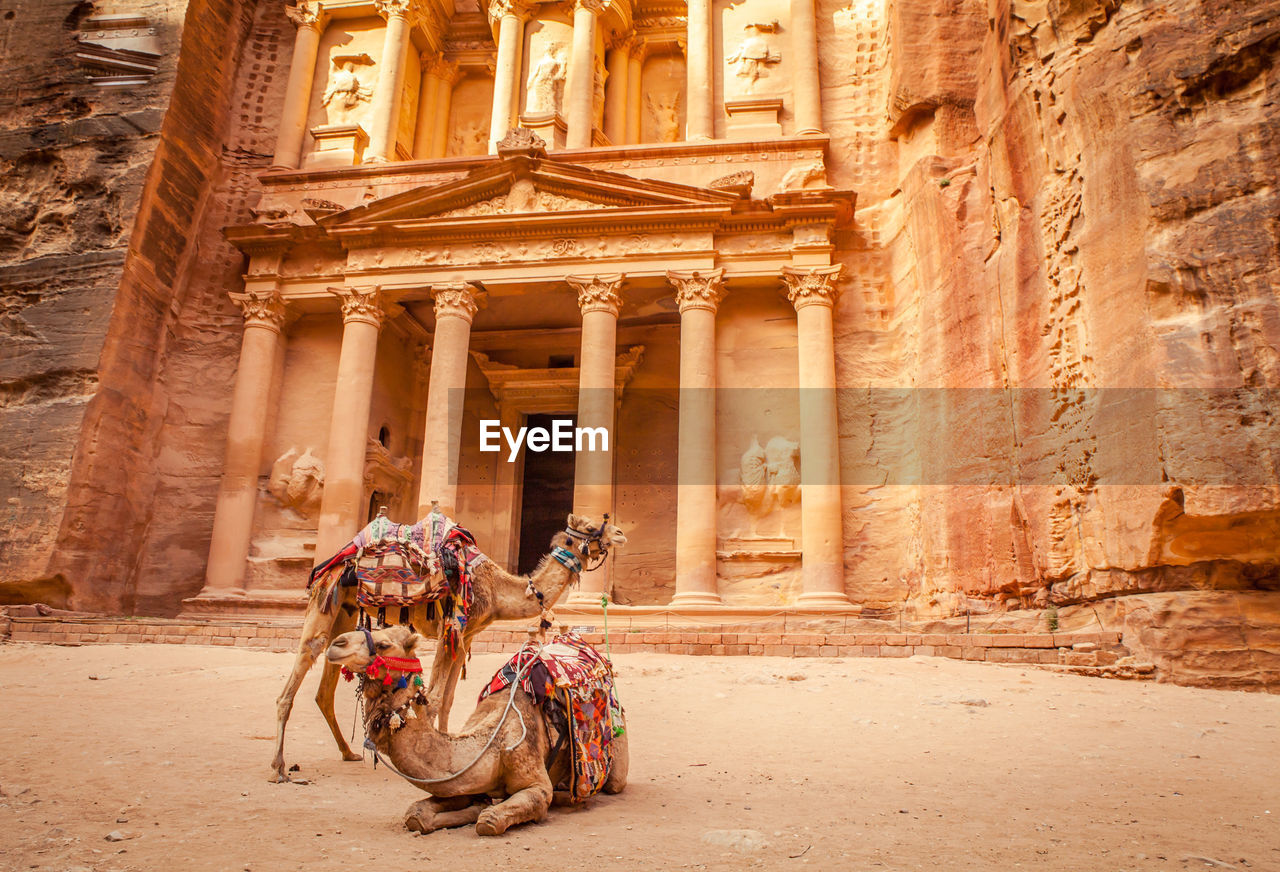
(574, 685)
(434, 560)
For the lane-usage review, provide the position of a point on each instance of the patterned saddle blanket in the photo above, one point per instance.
(574, 685)
(434, 562)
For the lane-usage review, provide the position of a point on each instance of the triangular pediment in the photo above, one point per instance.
(525, 185)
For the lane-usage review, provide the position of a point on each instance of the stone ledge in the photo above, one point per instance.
(1037, 649)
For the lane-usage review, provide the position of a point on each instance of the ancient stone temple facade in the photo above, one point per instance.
(912, 310)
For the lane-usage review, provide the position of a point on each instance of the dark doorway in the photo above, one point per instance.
(547, 497)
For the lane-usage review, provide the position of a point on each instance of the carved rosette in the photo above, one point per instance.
(698, 290)
(812, 286)
(598, 293)
(455, 300)
(393, 8)
(361, 304)
(308, 14)
(265, 310)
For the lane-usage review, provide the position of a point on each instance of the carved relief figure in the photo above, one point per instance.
(297, 481)
(545, 87)
(665, 112)
(807, 175)
(770, 477)
(345, 92)
(471, 138)
(754, 55)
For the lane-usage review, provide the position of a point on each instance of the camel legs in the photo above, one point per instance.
(324, 699)
(315, 636)
(451, 685)
(529, 804)
(438, 813)
(617, 779)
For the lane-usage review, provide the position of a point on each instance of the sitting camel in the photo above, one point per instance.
(501, 751)
(497, 596)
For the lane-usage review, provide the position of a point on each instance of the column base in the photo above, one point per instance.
(822, 599)
(695, 598)
(583, 598)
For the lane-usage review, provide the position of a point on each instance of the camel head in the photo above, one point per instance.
(593, 539)
(352, 649)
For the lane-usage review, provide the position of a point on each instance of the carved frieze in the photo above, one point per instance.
(815, 285)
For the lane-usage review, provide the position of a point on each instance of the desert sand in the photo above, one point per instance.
(737, 763)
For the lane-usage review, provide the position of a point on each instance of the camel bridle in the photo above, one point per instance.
(591, 546)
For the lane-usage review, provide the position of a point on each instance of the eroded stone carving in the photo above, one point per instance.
(361, 304)
(665, 112)
(698, 290)
(812, 286)
(770, 477)
(805, 176)
(739, 183)
(456, 299)
(544, 90)
(470, 138)
(754, 55)
(261, 310)
(345, 91)
(306, 14)
(297, 481)
(522, 140)
(597, 293)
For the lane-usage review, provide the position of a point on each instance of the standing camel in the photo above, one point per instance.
(497, 596)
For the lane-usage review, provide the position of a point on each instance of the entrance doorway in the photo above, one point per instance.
(547, 496)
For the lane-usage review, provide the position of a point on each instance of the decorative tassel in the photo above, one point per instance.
(417, 681)
(410, 713)
(347, 674)
(396, 722)
(402, 683)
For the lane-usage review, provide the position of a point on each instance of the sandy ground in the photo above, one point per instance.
(826, 764)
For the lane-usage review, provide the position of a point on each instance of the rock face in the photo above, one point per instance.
(1058, 347)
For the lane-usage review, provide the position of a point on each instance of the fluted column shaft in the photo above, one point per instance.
(310, 20)
(511, 18)
(699, 297)
(455, 307)
(599, 302)
(616, 92)
(813, 292)
(385, 116)
(246, 431)
(579, 88)
(342, 504)
(700, 105)
(806, 88)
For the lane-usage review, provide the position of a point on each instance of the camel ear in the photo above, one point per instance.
(411, 642)
(579, 523)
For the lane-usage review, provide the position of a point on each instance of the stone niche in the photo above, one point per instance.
(469, 116)
(754, 56)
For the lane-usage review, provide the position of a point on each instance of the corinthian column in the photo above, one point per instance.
(635, 93)
(342, 505)
(699, 296)
(813, 292)
(579, 88)
(599, 302)
(310, 19)
(442, 439)
(428, 95)
(264, 315)
(700, 106)
(510, 15)
(806, 89)
(447, 74)
(385, 118)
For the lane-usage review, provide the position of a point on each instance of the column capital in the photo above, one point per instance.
(437, 66)
(698, 290)
(389, 9)
(499, 9)
(262, 309)
(308, 14)
(456, 300)
(362, 304)
(597, 293)
(639, 48)
(595, 7)
(812, 286)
